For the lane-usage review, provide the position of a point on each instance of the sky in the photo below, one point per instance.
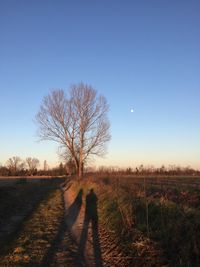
(141, 55)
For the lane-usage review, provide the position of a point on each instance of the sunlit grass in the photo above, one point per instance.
(160, 227)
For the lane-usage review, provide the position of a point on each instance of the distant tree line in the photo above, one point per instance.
(144, 170)
(15, 166)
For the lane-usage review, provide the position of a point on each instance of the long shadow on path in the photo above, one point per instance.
(64, 243)
(73, 210)
(91, 216)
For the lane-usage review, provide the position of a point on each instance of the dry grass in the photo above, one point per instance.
(156, 226)
(35, 238)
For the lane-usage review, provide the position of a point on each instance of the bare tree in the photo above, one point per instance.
(14, 164)
(78, 122)
(32, 163)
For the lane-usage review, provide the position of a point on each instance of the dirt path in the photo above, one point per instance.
(83, 243)
(74, 247)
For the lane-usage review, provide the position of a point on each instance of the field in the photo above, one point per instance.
(142, 221)
(156, 220)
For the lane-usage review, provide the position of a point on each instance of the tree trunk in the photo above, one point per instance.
(80, 173)
(80, 170)
(80, 167)
(77, 166)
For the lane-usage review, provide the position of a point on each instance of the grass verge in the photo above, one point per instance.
(37, 233)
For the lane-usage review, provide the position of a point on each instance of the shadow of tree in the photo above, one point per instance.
(91, 216)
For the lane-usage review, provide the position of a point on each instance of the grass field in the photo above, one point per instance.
(153, 217)
(31, 213)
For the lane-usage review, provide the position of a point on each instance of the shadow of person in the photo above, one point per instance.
(91, 215)
(73, 211)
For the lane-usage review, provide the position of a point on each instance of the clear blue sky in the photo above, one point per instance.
(139, 54)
